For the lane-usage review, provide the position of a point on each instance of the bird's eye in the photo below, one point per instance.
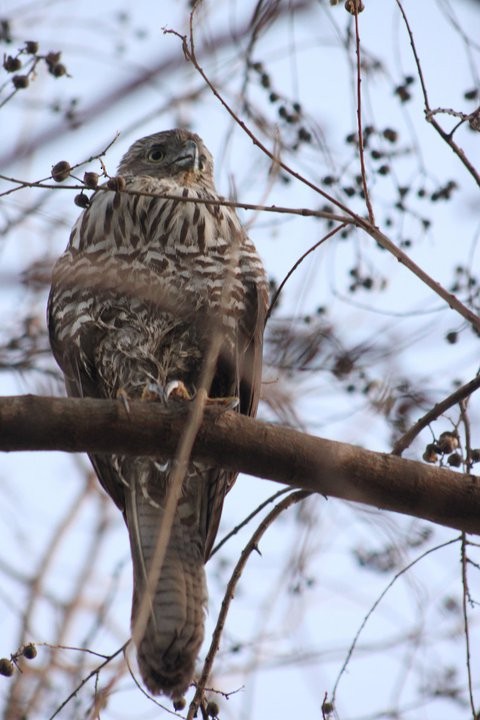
(156, 153)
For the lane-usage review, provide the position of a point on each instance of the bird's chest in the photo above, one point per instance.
(195, 248)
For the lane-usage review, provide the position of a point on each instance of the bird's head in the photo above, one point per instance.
(177, 154)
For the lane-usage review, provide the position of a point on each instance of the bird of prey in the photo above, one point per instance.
(149, 283)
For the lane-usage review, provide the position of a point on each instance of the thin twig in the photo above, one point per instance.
(465, 596)
(291, 499)
(361, 152)
(376, 604)
(447, 137)
(95, 671)
(246, 520)
(297, 263)
(222, 202)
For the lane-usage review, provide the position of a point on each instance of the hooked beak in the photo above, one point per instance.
(189, 157)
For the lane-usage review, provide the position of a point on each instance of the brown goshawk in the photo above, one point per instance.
(146, 285)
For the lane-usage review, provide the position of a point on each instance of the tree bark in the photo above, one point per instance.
(243, 444)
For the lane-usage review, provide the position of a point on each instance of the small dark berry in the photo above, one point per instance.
(383, 170)
(57, 70)
(6, 667)
(305, 135)
(265, 80)
(403, 93)
(212, 709)
(452, 337)
(61, 171)
(273, 97)
(471, 94)
(328, 180)
(81, 200)
(29, 651)
(20, 82)
(390, 135)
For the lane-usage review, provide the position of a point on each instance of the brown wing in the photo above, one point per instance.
(240, 377)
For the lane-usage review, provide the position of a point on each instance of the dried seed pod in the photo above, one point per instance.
(20, 82)
(179, 705)
(475, 455)
(430, 454)
(447, 442)
(91, 179)
(117, 183)
(61, 171)
(327, 708)
(354, 6)
(52, 58)
(454, 460)
(31, 47)
(12, 64)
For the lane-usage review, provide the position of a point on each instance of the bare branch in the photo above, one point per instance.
(242, 444)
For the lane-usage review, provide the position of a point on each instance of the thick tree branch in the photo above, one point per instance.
(239, 443)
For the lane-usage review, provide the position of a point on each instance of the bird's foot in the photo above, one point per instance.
(175, 389)
(151, 392)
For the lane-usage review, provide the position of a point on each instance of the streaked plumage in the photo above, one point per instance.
(144, 284)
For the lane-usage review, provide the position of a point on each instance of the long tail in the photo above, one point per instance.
(169, 646)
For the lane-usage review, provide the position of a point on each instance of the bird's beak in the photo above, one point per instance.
(189, 157)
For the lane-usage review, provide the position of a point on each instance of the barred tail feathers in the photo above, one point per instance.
(173, 635)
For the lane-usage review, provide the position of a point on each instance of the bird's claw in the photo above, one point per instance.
(176, 389)
(123, 396)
